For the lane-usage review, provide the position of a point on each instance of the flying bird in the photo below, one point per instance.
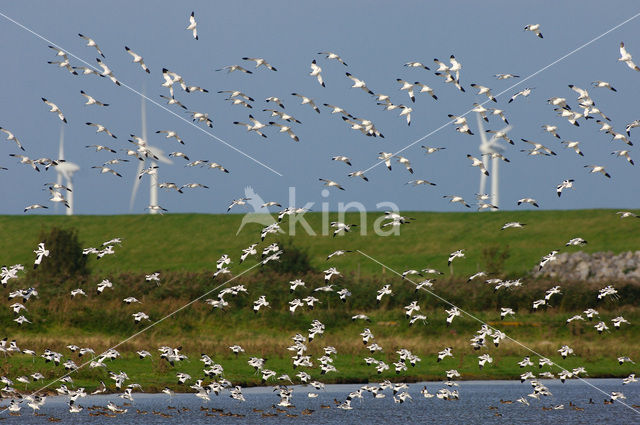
(534, 28)
(475, 162)
(316, 71)
(307, 100)
(137, 59)
(106, 72)
(10, 136)
(193, 25)
(55, 109)
(231, 68)
(330, 183)
(92, 43)
(260, 62)
(40, 252)
(626, 58)
(91, 100)
(598, 169)
(331, 55)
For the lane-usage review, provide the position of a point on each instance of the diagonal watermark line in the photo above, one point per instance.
(448, 123)
(143, 330)
(489, 326)
(145, 97)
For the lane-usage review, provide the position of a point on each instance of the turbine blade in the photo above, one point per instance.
(483, 137)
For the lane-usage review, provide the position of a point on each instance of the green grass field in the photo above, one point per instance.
(192, 242)
(184, 248)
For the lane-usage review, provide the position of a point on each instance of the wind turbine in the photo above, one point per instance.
(66, 169)
(153, 178)
(488, 147)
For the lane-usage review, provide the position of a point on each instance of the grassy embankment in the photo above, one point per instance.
(184, 249)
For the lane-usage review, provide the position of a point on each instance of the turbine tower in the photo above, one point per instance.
(153, 178)
(487, 147)
(66, 169)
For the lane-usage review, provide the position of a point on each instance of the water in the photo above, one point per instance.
(476, 397)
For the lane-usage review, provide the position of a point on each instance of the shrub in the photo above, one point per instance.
(293, 259)
(494, 257)
(65, 260)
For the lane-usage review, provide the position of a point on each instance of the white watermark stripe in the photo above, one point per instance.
(489, 326)
(512, 87)
(224, 142)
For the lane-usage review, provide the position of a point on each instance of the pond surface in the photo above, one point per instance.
(479, 403)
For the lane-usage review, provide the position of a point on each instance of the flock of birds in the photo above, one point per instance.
(283, 121)
(212, 380)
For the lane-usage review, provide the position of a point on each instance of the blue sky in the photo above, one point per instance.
(375, 39)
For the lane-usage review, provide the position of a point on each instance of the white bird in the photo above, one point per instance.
(406, 111)
(625, 154)
(598, 169)
(91, 100)
(534, 28)
(193, 25)
(566, 184)
(505, 76)
(104, 169)
(506, 311)
(342, 158)
(260, 62)
(528, 201)
(40, 252)
(106, 72)
(10, 136)
(576, 242)
(78, 291)
(330, 183)
(287, 129)
(430, 149)
(626, 58)
(254, 126)
(484, 90)
(306, 100)
(231, 68)
(573, 145)
(538, 147)
(282, 115)
(626, 214)
(408, 87)
(386, 157)
(603, 84)
(524, 93)
(130, 300)
(457, 254)
(462, 123)
(475, 162)
(359, 173)
(92, 43)
(55, 109)
(551, 129)
(34, 206)
(358, 83)
(101, 129)
(140, 316)
(240, 201)
(420, 182)
(316, 71)
(416, 65)
(404, 161)
(341, 227)
(331, 55)
(456, 198)
(58, 197)
(137, 59)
